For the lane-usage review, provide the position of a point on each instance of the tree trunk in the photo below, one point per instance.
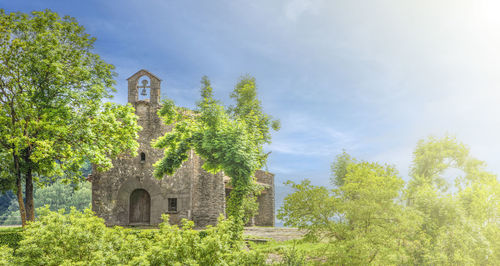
(30, 207)
(19, 188)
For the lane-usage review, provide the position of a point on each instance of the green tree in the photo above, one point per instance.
(52, 116)
(57, 195)
(339, 168)
(461, 215)
(372, 223)
(362, 219)
(310, 208)
(229, 140)
(64, 196)
(371, 217)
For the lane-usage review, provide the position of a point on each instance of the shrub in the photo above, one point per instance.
(184, 246)
(6, 257)
(80, 238)
(10, 238)
(292, 256)
(76, 238)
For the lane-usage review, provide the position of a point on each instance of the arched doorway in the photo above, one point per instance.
(140, 207)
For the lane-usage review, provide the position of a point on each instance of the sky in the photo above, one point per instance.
(370, 77)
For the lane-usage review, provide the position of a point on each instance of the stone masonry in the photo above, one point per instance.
(128, 194)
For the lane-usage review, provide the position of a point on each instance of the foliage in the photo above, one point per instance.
(460, 218)
(302, 251)
(57, 195)
(52, 116)
(80, 238)
(6, 200)
(311, 208)
(187, 247)
(293, 257)
(229, 140)
(6, 255)
(370, 217)
(339, 168)
(11, 217)
(249, 204)
(57, 239)
(370, 221)
(357, 218)
(64, 196)
(10, 238)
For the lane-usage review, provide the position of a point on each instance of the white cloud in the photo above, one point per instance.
(307, 136)
(296, 8)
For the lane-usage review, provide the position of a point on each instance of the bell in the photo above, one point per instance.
(143, 92)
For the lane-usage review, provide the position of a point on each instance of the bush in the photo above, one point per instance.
(185, 246)
(80, 238)
(10, 238)
(6, 257)
(292, 256)
(57, 238)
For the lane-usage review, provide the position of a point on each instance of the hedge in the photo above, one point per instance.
(10, 238)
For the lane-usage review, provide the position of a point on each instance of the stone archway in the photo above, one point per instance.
(123, 200)
(140, 207)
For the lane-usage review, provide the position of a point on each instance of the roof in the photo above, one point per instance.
(144, 72)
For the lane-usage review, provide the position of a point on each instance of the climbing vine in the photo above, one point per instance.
(227, 139)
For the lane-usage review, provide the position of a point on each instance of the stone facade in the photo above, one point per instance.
(128, 194)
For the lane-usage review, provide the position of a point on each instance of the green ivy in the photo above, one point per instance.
(227, 139)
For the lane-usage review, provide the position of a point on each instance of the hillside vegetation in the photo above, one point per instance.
(374, 217)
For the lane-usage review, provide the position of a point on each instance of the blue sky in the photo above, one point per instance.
(371, 77)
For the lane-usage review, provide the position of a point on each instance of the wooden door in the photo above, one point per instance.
(140, 207)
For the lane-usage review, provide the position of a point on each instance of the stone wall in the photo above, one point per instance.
(265, 216)
(208, 196)
(111, 190)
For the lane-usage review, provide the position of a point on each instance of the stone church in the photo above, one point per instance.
(128, 194)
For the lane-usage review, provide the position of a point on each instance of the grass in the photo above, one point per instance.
(313, 253)
(256, 237)
(301, 245)
(8, 229)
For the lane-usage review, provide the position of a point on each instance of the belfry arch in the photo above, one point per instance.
(135, 88)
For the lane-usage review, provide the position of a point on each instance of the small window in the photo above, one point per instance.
(143, 157)
(172, 204)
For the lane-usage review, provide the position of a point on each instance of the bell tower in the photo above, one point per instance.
(152, 85)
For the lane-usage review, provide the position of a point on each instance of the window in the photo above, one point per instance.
(143, 157)
(172, 204)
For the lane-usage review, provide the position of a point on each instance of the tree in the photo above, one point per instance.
(229, 140)
(57, 196)
(370, 217)
(361, 218)
(461, 216)
(313, 209)
(52, 116)
(63, 196)
(339, 168)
